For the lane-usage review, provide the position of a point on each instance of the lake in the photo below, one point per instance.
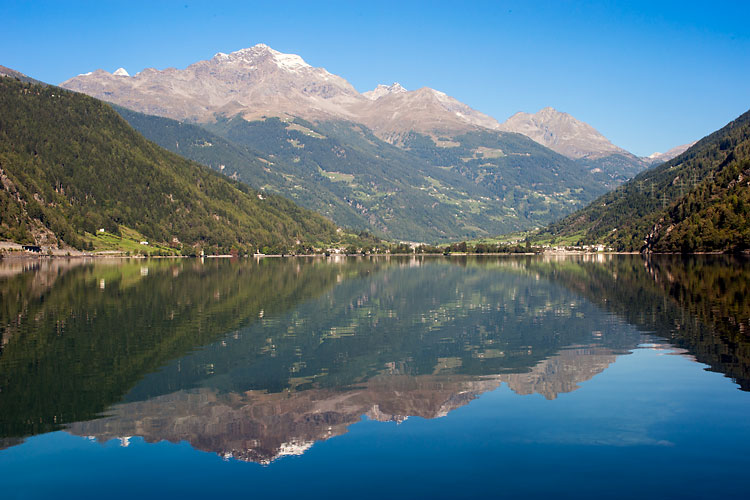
(574, 377)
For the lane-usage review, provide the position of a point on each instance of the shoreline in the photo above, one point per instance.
(19, 256)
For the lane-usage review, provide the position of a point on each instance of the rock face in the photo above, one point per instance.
(395, 111)
(562, 133)
(665, 157)
(382, 90)
(260, 81)
(254, 82)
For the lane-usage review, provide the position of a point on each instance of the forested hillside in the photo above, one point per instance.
(697, 202)
(476, 185)
(71, 165)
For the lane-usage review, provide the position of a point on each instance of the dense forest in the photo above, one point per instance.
(697, 202)
(70, 165)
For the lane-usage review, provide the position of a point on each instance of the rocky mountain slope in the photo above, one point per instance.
(17, 75)
(562, 133)
(577, 140)
(395, 111)
(253, 82)
(656, 158)
(259, 81)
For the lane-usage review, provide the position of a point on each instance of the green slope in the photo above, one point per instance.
(70, 164)
(469, 187)
(614, 169)
(533, 182)
(696, 202)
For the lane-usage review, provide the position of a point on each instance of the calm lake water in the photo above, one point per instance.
(579, 377)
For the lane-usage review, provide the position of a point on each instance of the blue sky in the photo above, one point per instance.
(648, 75)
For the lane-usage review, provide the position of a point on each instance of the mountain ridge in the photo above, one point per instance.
(258, 82)
(563, 133)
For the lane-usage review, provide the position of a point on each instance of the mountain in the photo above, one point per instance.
(480, 184)
(696, 202)
(656, 158)
(562, 133)
(381, 90)
(253, 82)
(71, 165)
(408, 165)
(258, 82)
(575, 139)
(394, 111)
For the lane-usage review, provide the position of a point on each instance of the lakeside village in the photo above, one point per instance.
(144, 249)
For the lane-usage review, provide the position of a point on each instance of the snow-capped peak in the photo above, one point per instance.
(289, 62)
(121, 72)
(381, 90)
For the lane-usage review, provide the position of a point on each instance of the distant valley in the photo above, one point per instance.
(407, 165)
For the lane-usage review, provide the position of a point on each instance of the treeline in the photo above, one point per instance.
(464, 247)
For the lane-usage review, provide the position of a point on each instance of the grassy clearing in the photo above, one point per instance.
(337, 176)
(128, 241)
(564, 240)
(305, 130)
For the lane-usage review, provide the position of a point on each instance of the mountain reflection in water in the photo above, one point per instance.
(257, 360)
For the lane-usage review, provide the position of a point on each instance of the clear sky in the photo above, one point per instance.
(648, 75)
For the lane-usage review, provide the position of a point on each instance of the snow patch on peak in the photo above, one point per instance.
(291, 62)
(121, 72)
